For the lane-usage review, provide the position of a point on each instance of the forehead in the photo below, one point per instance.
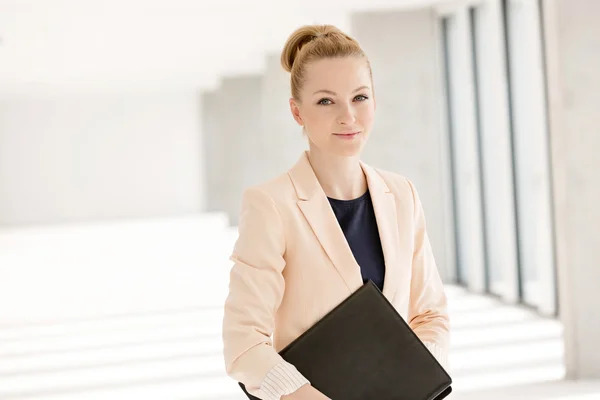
(341, 75)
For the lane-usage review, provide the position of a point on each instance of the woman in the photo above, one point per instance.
(312, 236)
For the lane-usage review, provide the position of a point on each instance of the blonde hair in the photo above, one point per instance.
(315, 42)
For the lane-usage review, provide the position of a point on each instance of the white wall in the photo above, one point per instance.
(572, 40)
(67, 159)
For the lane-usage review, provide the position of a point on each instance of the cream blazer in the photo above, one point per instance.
(292, 265)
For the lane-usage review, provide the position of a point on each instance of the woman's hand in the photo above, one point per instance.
(306, 392)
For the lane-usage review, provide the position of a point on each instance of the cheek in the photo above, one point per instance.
(317, 119)
(367, 115)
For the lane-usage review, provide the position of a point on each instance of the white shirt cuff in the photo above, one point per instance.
(439, 352)
(281, 380)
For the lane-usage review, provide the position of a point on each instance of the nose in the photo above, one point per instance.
(346, 115)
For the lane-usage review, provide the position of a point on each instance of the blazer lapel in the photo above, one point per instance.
(387, 225)
(316, 209)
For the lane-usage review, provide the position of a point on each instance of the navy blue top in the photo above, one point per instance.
(357, 220)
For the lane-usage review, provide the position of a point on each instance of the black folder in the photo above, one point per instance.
(363, 349)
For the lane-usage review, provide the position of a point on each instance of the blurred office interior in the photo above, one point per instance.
(129, 130)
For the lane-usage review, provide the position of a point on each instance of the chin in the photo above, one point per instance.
(340, 148)
(347, 151)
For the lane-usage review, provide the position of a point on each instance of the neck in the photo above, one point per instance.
(340, 177)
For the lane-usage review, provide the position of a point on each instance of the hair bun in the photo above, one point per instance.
(300, 37)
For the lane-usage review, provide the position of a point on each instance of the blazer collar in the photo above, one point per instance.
(315, 206)
(306, 183)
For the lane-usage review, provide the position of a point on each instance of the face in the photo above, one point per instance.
(336, 105)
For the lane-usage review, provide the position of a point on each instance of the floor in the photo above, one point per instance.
(132, 310)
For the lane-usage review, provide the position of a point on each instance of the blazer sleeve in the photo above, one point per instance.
(256, 288)
(427, 314)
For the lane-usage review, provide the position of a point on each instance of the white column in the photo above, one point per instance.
(282, 137)
(573, 65)
(212, 148)
(496, 150)
(239, 126)
(464, 138)
(530, 135)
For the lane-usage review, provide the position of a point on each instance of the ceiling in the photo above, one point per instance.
(50, 46)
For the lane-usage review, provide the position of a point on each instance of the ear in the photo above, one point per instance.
(295, 109)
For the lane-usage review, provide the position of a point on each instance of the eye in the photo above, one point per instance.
(324, 102)
(361, 97)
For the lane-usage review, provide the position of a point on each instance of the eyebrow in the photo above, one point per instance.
(335, 94)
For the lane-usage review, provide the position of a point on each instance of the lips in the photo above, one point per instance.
(347, 133)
